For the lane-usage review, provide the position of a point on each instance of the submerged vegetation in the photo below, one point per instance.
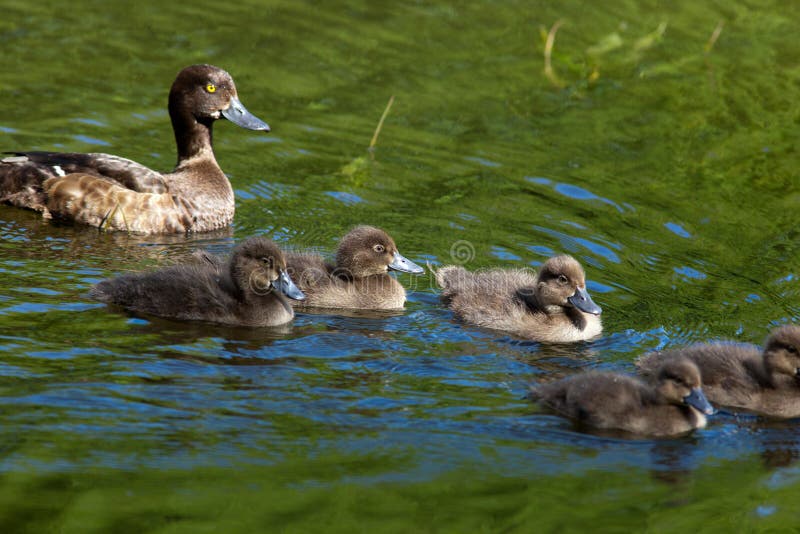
(587, 68)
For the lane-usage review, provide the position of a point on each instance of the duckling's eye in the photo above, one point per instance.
(792, 349)
(267, 262)
(562, 279)
(211, 88)
(379, 249)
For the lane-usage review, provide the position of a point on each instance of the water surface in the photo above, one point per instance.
(665, 165)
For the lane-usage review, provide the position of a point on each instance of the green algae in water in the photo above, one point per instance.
(666, 164)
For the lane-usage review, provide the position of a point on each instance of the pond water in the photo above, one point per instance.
(661, 157)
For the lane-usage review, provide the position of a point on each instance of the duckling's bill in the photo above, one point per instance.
(285, 285)
(402, 264)
(697, 399)
(584, 302)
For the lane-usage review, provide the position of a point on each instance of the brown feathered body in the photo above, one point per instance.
(740, 376)
(237, 293)
(115, 193)
(328, 287)
(529, 305)
(359, 277)
(606, 400)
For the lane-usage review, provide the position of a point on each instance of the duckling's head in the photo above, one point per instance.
(258, 266)
(208, 93)
(679, 382)
(562, 282)
(782, 351)
(367, 250)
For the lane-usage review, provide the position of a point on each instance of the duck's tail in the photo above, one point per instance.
(21, 182)
(102, 291)
(447, 275)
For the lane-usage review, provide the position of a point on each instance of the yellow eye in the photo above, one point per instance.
(211, 88)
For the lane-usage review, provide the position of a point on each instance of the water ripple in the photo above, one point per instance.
(575, 192)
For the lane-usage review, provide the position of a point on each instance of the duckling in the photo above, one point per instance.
(248, 291)
(743, 376)
(115, 193)
(358, 279)
(673, 405)
(552, 306)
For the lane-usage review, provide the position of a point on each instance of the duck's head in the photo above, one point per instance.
(782, 351)
(562, 282)
(679, 382)
(259, 267)
(367, 250)
(208, 93)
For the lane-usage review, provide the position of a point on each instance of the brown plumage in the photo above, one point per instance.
(115, 193)
(359, 279)
(673, 405)
(249, 290)
(744, 376)
(551, 305)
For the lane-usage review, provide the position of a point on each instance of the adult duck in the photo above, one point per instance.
(674, 404)
(359, 277)
(552, 305)
(764, 381)
(115, 193)
(248, 290)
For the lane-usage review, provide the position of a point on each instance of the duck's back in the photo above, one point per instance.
(123, 171)
(23, 174)
(115, 193)
(597, 398)
(324, 287)
(614, 401)
(308, 270)
(495, 299)
(189, 292)
(484, 297)
(733, 375)
(726, 369)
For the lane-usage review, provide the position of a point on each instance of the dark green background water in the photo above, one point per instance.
(671, 173)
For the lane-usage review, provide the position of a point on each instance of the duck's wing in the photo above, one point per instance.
(29, 169)
(100, 202)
